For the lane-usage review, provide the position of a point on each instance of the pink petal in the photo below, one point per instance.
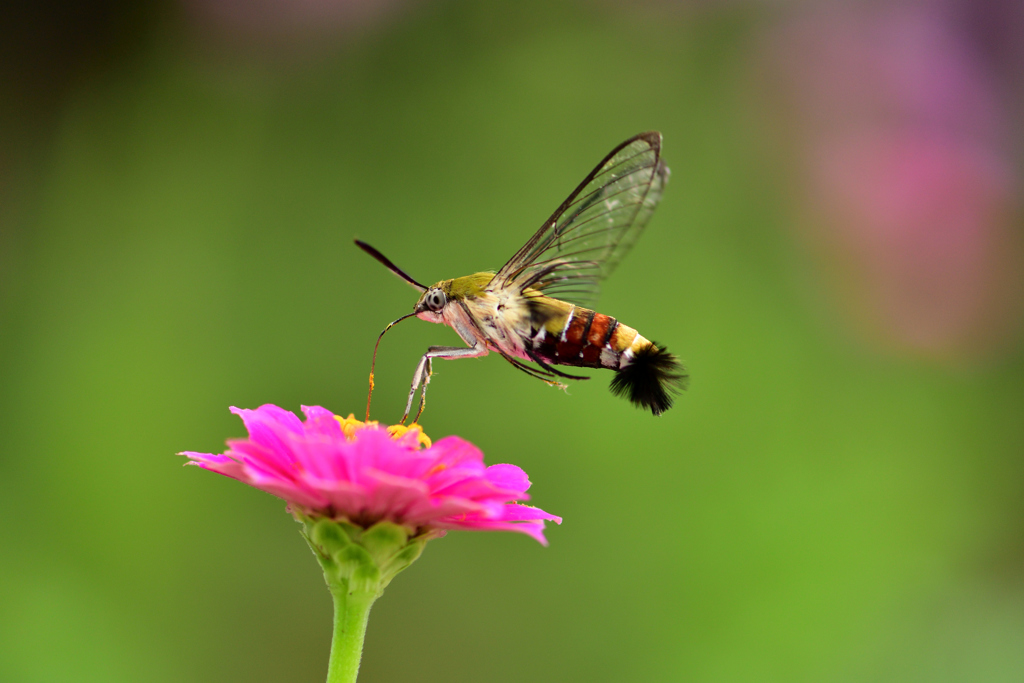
(514, 513)
(393, 496)
(267, 424)
(508, 477)
(322, 421)
(453, 451)
(533, 529)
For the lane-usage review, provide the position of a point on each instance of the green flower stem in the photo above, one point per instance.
(351, 612)
(358, 565)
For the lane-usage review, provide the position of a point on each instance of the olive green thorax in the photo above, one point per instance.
(541, 311)
(465, 287)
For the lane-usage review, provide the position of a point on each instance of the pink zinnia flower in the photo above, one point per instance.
(344, 469)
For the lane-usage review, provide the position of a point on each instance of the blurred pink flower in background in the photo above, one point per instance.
(341, 468)
(907, 166)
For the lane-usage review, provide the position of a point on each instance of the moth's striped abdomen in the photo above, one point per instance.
(645, 373)
(583, 338)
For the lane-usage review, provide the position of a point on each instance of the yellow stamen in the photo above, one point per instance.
(398, 431)
(350, 425)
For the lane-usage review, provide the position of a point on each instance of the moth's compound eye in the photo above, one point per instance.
(436, 300)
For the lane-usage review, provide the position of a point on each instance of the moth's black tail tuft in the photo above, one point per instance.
(650, 380)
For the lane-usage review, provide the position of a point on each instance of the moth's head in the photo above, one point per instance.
(432, 302)
(437, 297)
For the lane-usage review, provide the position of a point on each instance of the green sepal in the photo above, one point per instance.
(359, 561)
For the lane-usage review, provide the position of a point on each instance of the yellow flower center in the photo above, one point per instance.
(350, 425)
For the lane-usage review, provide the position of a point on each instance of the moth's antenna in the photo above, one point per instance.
(373, 363)
(389, 265)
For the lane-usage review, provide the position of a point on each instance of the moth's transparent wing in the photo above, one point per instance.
(594, 228)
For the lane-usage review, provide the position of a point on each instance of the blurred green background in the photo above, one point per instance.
(838, 497)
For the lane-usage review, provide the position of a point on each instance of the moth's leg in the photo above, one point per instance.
(422, 375)
(542, 375)
(423, 392)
